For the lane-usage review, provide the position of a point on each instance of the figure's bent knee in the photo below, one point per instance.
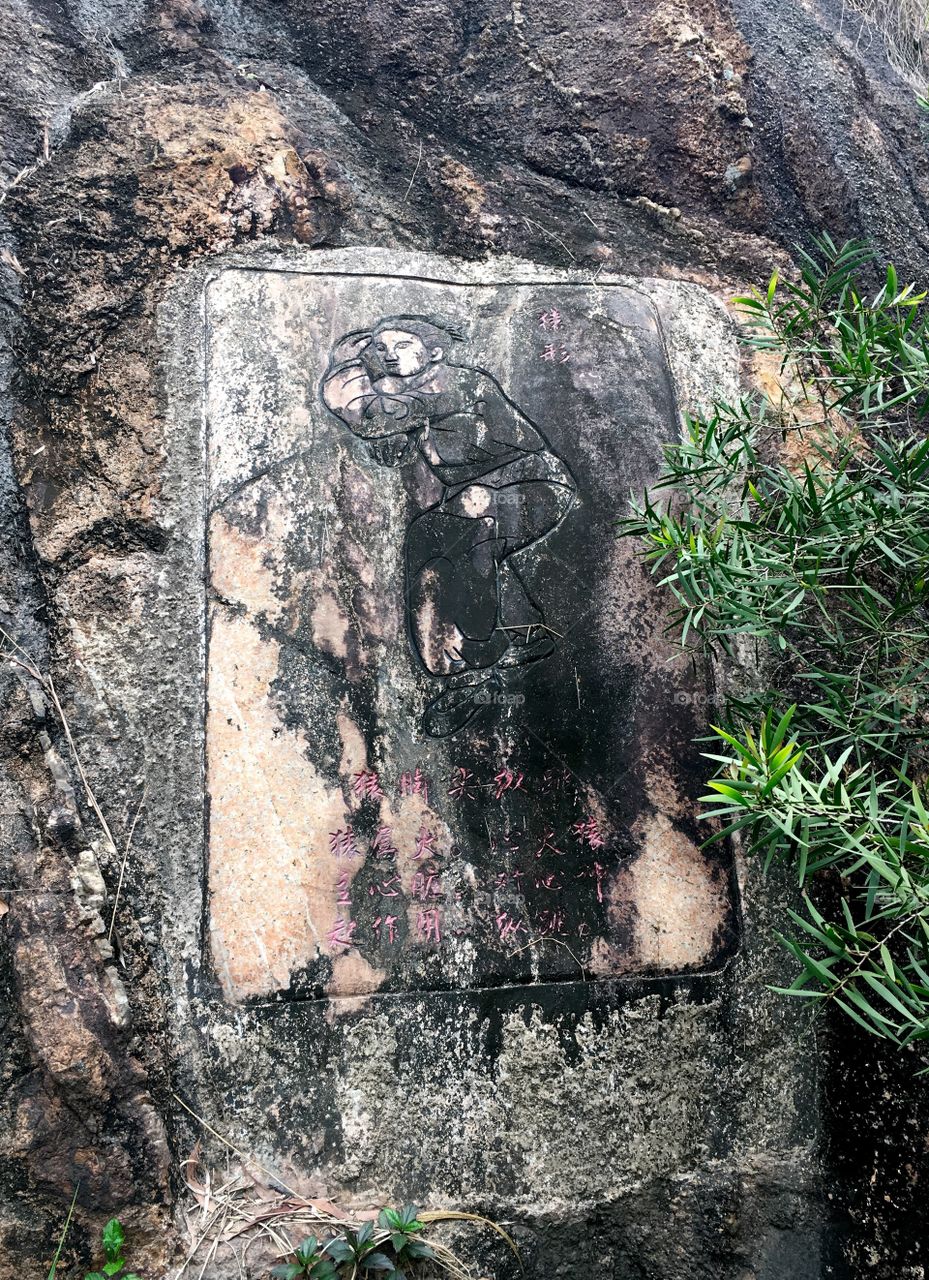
(439, 533)
(472, 502)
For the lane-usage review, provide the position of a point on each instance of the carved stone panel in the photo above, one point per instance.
(447, 744)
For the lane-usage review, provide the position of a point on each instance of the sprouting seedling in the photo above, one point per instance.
(404, 1227)
(309, 1260)
(114, 1237)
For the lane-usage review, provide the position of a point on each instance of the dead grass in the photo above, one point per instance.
(246, 1208)
(902, 25)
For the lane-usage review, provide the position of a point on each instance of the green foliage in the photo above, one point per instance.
(359, 1248)
(114, 1264)
(309, 1260)
(805, 569)
(404, 1227)
(867, 357)
(396, 1239)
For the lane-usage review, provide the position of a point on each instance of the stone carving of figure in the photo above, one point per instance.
(469, 615)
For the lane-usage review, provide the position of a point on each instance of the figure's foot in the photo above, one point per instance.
(456, 706)
(527, 646)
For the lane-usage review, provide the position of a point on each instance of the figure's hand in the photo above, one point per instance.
(347, 388)
(390, 451)
(350, 349)
(372, 362)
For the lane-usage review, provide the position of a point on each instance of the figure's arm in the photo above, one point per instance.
(349, 391)
(507, 423)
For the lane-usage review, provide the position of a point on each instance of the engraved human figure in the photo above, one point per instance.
(469, 614)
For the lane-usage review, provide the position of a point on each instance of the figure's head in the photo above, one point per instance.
(402, 353)
(406, 345)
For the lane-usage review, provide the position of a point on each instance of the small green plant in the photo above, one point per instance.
(805, 573)
(383, 1248)
(404, 1227)
(309, 1260)
(114, 1264)
(360, 1250)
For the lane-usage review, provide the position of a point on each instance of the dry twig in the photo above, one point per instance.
(122, 869)
(419, 158)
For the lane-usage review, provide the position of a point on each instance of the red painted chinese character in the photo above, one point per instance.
(343, 899)
(549, 923)
(507, 927)
(388, 922)
(382, 846)
(342, 843)
(425, 885)
(429, 925)
(425, 845)
(507, 780)
(588, 832)
(386, 888)
(550, 882)
(598, 872)
(414, 784)
(340, 935)
(548, 845)
(463, 785)
(367, 783)
(559, 355)
(555, 780)
(507, 843)
(550, 320)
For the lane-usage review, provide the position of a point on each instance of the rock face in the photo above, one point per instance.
(223, 708)
(443, 735)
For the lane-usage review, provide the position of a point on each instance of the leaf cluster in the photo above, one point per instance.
(865, 356)
(384, 1248)
(824, 812)
(806, 571)
(114, 1264)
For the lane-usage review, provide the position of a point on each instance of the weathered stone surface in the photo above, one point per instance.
(685, 140)
(560, 1101)
(433, 760)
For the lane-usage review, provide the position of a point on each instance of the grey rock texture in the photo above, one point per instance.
(686, 1127)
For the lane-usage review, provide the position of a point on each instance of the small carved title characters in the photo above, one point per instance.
(551, 322)
(527, 879)
(471, 620)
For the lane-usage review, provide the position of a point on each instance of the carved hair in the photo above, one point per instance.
(432, 333)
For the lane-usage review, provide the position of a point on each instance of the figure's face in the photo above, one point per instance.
(403, 354)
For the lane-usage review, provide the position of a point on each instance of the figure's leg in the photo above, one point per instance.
(527, 510)
(452, 591)
(522, 512)
(461, 591)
